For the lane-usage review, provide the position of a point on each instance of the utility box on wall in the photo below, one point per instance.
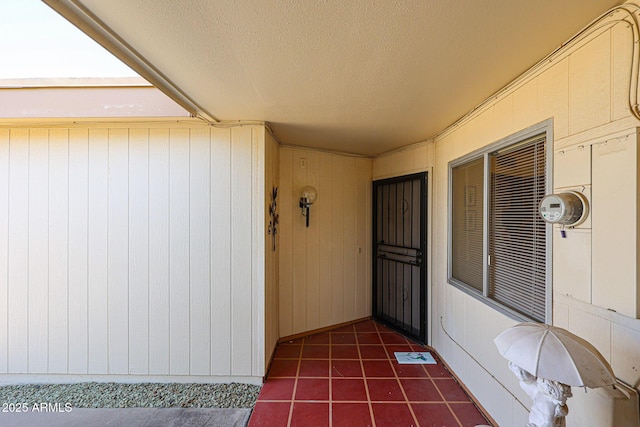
(571, 259)
(572, 253)
(615, 218)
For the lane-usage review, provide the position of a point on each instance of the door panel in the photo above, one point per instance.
(399, 279)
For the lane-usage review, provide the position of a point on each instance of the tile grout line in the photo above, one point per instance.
(446, 402)
(390, 360)
(424, 366)
(364, 379)
(330, 382)
(432, 379)
(379, 331)
(295, 383)
(379, 402)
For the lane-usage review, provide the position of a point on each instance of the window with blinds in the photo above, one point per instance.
(517, 240)
(467, 207)
(499, 247)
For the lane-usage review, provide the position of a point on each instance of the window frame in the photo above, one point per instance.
(546, 128)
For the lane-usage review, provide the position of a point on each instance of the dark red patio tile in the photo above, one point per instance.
(392, 415)
(315, 352)
(378, 368)
(288, 352)
(385, 329)
(314, 368)
(277, 389)
(392, 348)
(283, 368)
(418, 390)
(341, 329)
(468, 414)
(368, 338)
(348, 389)
(312, 389)
(344, 352)
(296, 341)
(323, 338)
(438, 371)
(408, 370)
(270, 414)
(419, 347)
(343, 338)
(308, 414)
(342, 380)
(394, 339)
(433, 414)
(346, 368)
(384, 390)
(367, 326)
(450, 389)
(351, 415)
(373, 352)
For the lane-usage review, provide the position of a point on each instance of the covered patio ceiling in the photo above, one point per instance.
(358, 76)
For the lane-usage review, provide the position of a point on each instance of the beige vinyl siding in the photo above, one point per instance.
(138, 201)
(325, 270)
(256, 294)
(159, 258)
(404, 161)
(585, 91)
(272, 158)
(131, 250)
(17, 255)
(77, 255)
(615, 174)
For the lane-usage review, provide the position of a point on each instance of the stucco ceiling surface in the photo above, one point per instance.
(359, 76)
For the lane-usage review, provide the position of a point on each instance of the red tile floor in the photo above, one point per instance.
(349, 377)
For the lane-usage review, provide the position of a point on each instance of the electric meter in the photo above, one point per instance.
(568, 208)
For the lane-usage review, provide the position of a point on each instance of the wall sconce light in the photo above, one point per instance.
(308, 196)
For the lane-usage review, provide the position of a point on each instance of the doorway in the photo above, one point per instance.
(399, 254)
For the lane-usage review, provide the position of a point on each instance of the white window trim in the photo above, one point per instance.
(545, 127)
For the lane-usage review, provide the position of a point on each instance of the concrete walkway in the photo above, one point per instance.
(130, 417)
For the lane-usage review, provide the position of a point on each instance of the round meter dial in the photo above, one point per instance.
(568, 208)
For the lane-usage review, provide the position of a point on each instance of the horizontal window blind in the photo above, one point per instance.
(517, 234)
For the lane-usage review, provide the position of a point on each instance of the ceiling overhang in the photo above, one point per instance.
(357, 76)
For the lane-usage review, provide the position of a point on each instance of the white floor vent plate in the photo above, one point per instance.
(414, 358)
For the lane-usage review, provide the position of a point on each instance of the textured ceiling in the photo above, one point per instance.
(359, 76)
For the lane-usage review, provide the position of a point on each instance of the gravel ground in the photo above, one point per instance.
(146, 395)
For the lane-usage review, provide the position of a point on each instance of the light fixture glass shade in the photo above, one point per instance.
(310, 194)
